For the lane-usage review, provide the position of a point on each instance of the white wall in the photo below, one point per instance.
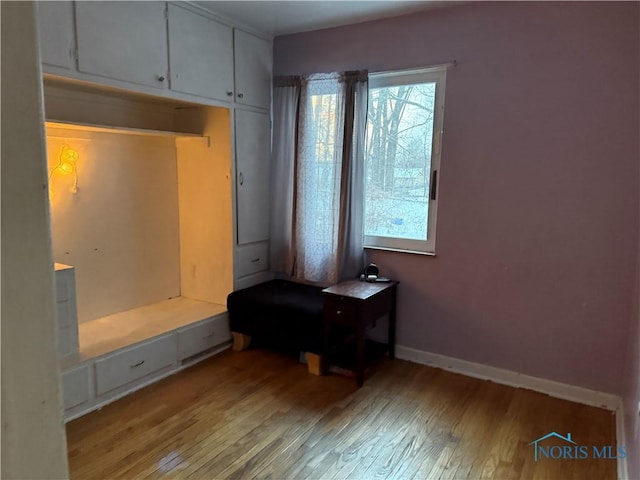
(33, 435)
(119, 229)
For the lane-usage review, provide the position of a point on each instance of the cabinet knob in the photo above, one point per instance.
(229, 93)
(241, 95)
(161, 78)
(241, 178)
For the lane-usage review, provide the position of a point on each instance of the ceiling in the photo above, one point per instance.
(285, 17)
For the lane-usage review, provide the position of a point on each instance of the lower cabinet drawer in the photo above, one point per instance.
(134, 363)
(75, 386)
(198, 338)
(252, 259)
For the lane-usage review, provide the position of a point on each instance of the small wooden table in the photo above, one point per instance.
(357, 304)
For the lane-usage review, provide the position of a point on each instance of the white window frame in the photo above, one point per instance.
(435, 75)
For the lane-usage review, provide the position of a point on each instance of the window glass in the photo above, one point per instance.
(402, 159)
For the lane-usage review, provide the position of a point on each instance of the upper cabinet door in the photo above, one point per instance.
(253, 60)
(57, 34)
(201, 55)
(123, 41)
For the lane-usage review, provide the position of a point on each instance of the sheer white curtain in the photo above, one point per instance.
(318, 174)
(286, 94)
(325, 240)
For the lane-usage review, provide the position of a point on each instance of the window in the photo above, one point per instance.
(402, 159)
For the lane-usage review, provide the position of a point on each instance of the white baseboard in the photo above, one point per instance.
(621, 439)
(513, 379)
(552, 388)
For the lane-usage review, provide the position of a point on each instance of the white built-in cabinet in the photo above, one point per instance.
(252, 131)
(123, 41)
(57, 34)
(173, 47)
(194, 339)
(128, 365)
(210, 59)
(253, 69)
(201, 54)
(99, 380)
(177, 52)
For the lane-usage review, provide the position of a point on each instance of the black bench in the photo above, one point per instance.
(278, 314)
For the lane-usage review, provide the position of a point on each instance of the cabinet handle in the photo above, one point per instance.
(161, 78)
(137, 364)
(241, 95)
(208, 336)
(229, 93)
(255, 260)
(241, 177)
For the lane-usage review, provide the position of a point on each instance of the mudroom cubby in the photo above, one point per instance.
(141, 202)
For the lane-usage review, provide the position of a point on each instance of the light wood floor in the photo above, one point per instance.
(257, 414)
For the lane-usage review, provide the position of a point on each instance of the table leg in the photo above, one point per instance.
(324, 360)
(392, 325)
(360, 351)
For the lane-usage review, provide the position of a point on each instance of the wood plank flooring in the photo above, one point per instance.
(259, 414)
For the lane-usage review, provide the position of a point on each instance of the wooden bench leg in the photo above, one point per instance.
(314, 363)
(240, 341)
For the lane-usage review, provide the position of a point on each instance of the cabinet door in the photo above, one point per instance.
(253, 60)
(56, 31)
(124, 41)
(253, 147)
(201, 55)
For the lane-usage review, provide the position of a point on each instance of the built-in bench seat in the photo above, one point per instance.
(122, 329)
(123, 352)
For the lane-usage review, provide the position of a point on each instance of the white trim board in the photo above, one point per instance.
(621, 439)
(510, 378)
(563, 391)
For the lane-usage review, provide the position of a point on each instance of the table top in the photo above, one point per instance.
(358, 289)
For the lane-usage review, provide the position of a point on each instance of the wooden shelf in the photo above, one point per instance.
(89, 127)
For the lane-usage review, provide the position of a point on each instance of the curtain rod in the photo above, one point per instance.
(451, 64)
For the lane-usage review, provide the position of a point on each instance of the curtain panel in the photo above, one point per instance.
(317, 208)
(286, 95)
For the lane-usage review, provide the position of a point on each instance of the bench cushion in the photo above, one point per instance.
(280, 314)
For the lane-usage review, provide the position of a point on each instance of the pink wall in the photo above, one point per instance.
(538, 218)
